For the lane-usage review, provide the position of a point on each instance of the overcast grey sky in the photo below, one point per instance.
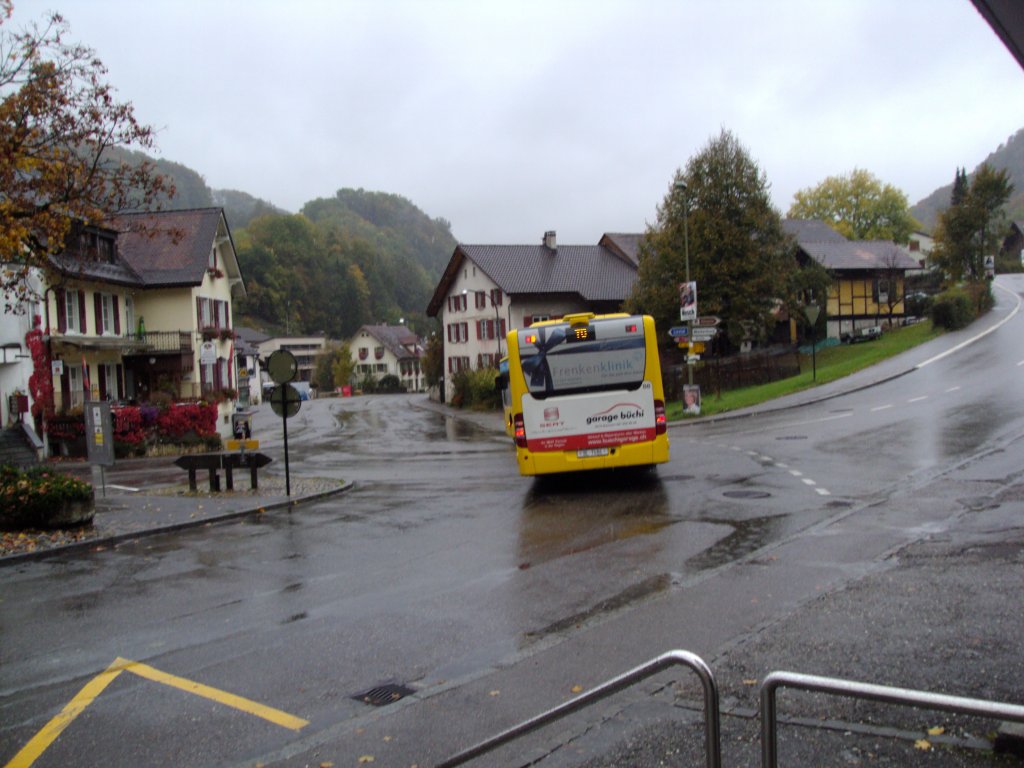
(512, 118)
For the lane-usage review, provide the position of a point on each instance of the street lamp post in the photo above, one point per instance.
(681, 186)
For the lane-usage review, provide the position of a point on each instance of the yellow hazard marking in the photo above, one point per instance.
(49, 732)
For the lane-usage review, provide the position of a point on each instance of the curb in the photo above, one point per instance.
(117, 538)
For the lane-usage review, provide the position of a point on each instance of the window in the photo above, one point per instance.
(481, 299)
(76, 394)
(458, 332)
(107, 381)
(496, 297)
(490, 329)
(107, 321)
(213, 257)
(72, 314)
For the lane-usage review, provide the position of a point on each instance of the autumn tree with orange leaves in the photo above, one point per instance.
(59, 121)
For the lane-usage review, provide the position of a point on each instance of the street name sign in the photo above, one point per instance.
(679, 331)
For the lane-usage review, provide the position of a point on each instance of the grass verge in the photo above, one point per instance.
(832, 363)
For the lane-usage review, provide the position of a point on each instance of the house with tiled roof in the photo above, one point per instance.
(388, 350)
(867, 288)
(144, 306)
(488, 290)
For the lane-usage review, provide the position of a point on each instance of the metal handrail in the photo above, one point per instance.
(858, 690)
(712, 729)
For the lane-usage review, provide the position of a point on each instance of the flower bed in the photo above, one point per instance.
(138, 429)
(39, 498)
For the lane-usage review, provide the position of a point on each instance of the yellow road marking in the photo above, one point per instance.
(49, 732)
(275, 716)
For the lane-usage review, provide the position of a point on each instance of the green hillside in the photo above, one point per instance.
(356, 258)
(1009, 156)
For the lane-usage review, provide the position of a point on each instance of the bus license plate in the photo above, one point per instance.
(587, 453)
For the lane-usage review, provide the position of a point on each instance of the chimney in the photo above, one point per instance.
(549, 240)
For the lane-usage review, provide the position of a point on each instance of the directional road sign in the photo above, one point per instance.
(708, 321)
(679, 331)
(704, 334)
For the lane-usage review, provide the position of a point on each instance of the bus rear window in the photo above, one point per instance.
(562, 359)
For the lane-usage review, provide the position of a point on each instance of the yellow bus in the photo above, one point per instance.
(585, 392)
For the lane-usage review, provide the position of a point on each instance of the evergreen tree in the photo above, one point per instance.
(969, 230)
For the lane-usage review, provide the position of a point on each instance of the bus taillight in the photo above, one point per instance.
(520, 430)
(660, 422)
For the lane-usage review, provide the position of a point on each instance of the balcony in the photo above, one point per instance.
(147, 343)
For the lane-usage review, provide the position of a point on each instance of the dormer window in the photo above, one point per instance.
(213, 257)
(96, 246)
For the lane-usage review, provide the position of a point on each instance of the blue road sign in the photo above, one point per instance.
(679, 331)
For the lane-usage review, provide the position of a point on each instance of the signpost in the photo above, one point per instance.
(811, 311)
(99, 439)
(679, 332)
(285, 400)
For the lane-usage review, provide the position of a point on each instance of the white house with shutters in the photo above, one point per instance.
(488, 290)
(381, 350)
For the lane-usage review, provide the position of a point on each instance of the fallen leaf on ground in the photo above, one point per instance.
(923, 744)
(938, 730)
(577, 688)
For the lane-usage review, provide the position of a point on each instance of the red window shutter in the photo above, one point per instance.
(479, 330)
(449, 332)
(503, 331)
(120, 382)
(62, 311)
(199, 312)
(97, 305)
(81, 311)
(101, 371)
(527, 321)
(217, 384)
(117, 318)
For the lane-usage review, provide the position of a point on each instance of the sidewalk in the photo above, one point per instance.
(154, 506)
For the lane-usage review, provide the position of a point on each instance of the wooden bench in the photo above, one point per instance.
(226, 460)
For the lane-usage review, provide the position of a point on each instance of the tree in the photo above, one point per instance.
(59, 121)
(739, 256)
(432, 362)
(858, 206)
(334, 367)
(970, 229)
(344, 367)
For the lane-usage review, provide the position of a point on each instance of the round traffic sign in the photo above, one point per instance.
(281, 366)
(285, 400)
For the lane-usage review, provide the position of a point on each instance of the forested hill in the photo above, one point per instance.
(1009, 156)
(356, 258)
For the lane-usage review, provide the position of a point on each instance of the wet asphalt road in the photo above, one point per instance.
(489, 596)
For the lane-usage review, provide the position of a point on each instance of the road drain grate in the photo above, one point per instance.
(383, 695)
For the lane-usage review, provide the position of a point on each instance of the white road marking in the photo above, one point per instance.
(822, 492)
(917, 399)
(881, 407)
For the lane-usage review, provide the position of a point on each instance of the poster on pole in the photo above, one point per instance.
(691, 399)
(688, 301)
